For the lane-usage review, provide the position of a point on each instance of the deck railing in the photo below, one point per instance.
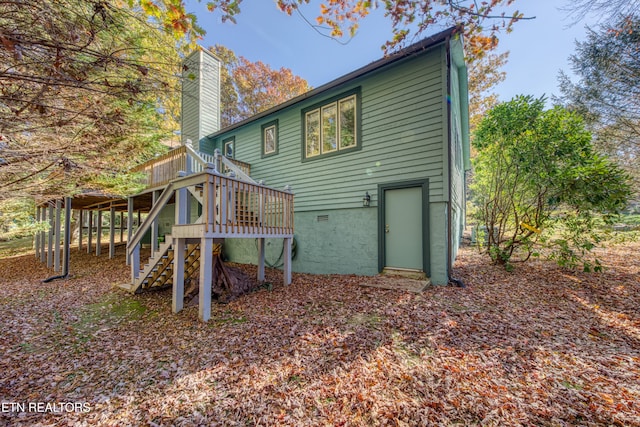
(230, 208)
(247, 208)
(164, 168)
(244, 167)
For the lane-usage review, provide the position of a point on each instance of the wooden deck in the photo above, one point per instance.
(230, 208)
(232, 205)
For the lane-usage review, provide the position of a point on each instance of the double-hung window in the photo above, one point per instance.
(270, 138)
(331, 127)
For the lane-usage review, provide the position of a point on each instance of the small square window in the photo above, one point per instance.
(229, 147)
(270, 138)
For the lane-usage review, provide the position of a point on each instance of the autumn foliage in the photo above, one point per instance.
(248, 88)
(482, 21)
(82, 85)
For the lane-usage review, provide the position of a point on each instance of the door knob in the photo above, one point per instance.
(386, 228)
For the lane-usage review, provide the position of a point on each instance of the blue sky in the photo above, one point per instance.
(539, 48)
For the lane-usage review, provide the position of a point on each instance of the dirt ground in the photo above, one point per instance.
(539, 346)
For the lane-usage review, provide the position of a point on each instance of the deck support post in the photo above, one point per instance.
(80, 228)
(178, 275)
(90, 232)
(43, 237)
(217, 161)
(135, 264)
(206, 276)
(181, 203)
(154, 225)
(121, 226)
(36, 237)
(261, 259)
(67, 237)
(209, 202)
(287, 260)
(188, 170)
(129, 224)
(56, 243)
(50, 237)
(99, 234)
(189, 160)
(112, 232)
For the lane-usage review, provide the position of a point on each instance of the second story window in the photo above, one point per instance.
(229, 147)
(331, 127)
(270, 138)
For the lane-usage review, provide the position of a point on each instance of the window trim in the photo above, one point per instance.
(319, 107)
(229, 141)
(272, 124)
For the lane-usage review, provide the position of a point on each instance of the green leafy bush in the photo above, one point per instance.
(539, 182)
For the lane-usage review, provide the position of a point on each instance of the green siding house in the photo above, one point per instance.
(376, 160)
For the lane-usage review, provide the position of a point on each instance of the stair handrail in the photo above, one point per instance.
(197, 156)
(165, 196)
(239, 173)
(218, 160)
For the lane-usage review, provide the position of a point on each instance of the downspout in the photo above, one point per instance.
(450, 278)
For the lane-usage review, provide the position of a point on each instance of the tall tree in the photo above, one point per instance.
(608, 91)
(538, 180)
(607, 11)
(82, 88)
(249, 87)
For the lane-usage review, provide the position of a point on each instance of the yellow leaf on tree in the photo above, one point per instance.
(530, 227)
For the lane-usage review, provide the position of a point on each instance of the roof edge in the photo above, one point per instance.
(423, 45)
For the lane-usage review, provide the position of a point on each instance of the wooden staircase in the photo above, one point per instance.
(196, 191)
(157, 273)
(230, 205)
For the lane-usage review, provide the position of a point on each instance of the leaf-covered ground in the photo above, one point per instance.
(540, 346)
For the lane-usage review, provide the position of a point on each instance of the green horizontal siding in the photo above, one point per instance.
(402, 135)
(190, 111)
(209, 91)
(200, 113)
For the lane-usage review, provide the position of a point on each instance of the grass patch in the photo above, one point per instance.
(107, 314)
(16, 247)
(228, 317)
(27, 347)
(633, 220)
(571, 386)
(365, 319)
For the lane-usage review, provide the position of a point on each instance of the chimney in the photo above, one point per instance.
(200, 115)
